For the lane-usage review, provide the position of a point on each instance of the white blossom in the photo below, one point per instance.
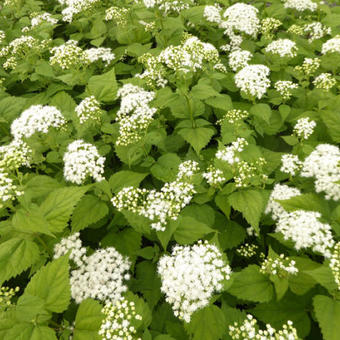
(316, 30)
(191, 275)
(285, 87)
(331, 45)
(43, 18)
(100, 53)
(253, 80)
(14, 155)
(88, 109)
(74, 7)
(8, 190)
(304, 127)
(212, 14)
(37, 118)
(324, 81)
(334, 263)
(280, 266)
(214, 176)
(229, 153)
(169, 5)
(301, 5)
(283, 48)
(290, 164)
(239, 59)
(82, 160)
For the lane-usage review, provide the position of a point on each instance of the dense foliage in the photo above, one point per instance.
(169, 170)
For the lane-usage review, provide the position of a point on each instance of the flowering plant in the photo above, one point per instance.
(169, 169)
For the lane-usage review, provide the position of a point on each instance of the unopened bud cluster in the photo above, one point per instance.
(89, 110)
(280, 266)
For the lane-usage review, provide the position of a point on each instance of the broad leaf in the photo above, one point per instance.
(103, 87)
(125, 178)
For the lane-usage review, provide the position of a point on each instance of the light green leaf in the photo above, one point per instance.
(232, 236)
(222, 102)
(88, 320)
(262, 111)
(250, 284)
(103, 87)
(207, 323)
(125, 178)
(166, 168)
(51, 283)
(40, 186)
(203, 91)
(197, 137)
(57, 208)
(327, 311)
(89, 210)
(324, 276)
(16, 255)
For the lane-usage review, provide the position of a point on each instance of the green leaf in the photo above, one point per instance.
(166, 168)
(262, 111)
(232, 236)
(203, 91)
(250, 284)
(222, 102)
(251, 203)
(88, 320)
(57, 208)
(51, 283)
(324, 276)
(29, 307)
(189, 230)
(65, 103)
(125, 178)
(327, 311)
(16, 255)
(103, 87)
(148, 282)
(197, 137)
(28, 331)
(89, 210)
(164, 337)
(331, 120)
(279, 312)
(207, 323)
(40, 186)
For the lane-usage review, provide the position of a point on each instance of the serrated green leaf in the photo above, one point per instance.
(89, 210)
(198, 137)
(222, 102)
(103, 87)
(250, 284)
(51, 283)
(88, 320)
(125, 178)
(327, 311)
(166, 167)
(16, 255)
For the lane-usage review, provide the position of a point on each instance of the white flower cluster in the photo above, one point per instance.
(234, 116)
(134, 115)
(167, 6)
(82, 160)
(285, 87)
(282, 47)
(118, 14)
(73, 245)
(89, 109)
(43, 18)
(316, 30)
(159, 206)
(75, 7)
(212, 13)
(306, 231)
(191, 275)
(8, 190)
(323, 164)
(290, 164)
(301, 5)
(213, 176)
(120, 319)
(70, 55)
(309, 66)
(101, 276)
(247, 250)
(253, 80)
(187, 169)
(2, 36)
(239, 59)
(280, 192)
(324, 81)
(280, 266)
(331, 45)
(304, 127)
(246, 172)
(242, 18)
(228, 154)
(14, 155)
(268, 26)
(249, 330)
(335, 263)
(37, 118)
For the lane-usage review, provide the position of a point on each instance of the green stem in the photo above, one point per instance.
(43, 243)
(193, 124)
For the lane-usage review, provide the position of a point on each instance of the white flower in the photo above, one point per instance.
(213, 176)
(119, 318)
(191, 275)
(323, 164)
(88, 109)
(324, 81)
(280, 192)
(43, 18)
(228, 154)
(67, 55)
(73, 245)
(169, 5)
(100, 53)
(101, 276)
(301, 5)
(283, 48)
(335, 263)
(247, 250)
(304, 127)
(15, 155)
(309, 66)
(290, 164)
(8, 190)
(331, 45)
(37, 118)
(82, 160)
(306, 231)
(253, 80)
(75, 7)
(187, 169)
(280, 266)
(234, 116)
(239, 59)
(285, 87)
(212, 14)
(316, 30)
